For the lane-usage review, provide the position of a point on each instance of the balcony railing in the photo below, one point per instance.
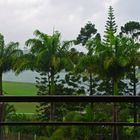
(76, 99)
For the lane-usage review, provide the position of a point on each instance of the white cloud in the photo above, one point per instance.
(19, 18)
(110, 3)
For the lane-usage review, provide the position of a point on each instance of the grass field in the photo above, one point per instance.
(21, 89)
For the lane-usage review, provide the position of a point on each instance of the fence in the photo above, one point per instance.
(75, 99)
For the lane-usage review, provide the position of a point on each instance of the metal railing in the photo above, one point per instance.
(67, 98)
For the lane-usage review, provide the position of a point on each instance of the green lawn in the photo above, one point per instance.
(18, 88)
(21, 89)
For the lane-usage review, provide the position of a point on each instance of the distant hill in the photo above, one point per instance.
(27, 76)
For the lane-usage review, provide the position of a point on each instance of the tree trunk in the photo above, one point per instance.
(115, 128)
(50, 93)
(52, 107)
(115, 87)
(90, 86)
(1, 108)
(49, 84)
(134, 93)
(1, 89)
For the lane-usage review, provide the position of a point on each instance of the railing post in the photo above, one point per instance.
(19, 135)
(34, 136)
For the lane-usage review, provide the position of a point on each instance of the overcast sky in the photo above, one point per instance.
(19, 18)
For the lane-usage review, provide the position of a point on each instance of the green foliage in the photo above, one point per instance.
(101, 71)
(9, 55)
(88, 64)
(68, 85)
(86, 33)
(43, 138)
(58, 135)
(26, 62)
(110, 23)
(111, 27)
(43, 86)
(131, 29)
(74, 132)
(50, 49)
(24, 129)
(9, 110)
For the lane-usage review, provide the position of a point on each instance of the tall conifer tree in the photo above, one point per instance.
(110, 30)
(110, 27)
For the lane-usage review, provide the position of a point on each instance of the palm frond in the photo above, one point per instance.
(25, 62)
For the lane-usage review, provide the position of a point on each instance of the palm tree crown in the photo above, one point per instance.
(9, 55)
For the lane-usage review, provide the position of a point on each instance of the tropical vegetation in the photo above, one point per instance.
(108, 67)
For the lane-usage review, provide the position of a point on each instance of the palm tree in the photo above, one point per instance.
(115, 62)
(47, 55)
(132, 30)
(9, 54)
(112, 61)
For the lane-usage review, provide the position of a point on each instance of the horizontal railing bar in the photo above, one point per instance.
(68, 98)
(71, 123)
